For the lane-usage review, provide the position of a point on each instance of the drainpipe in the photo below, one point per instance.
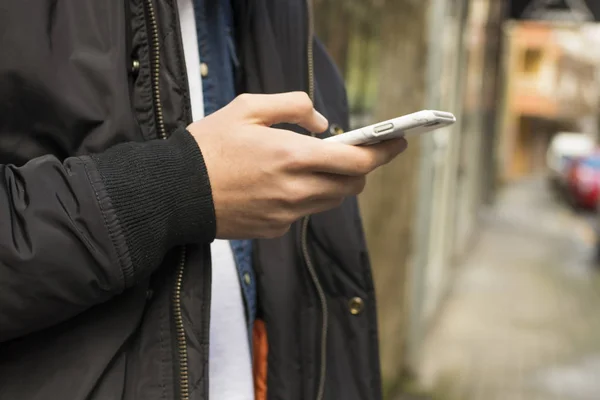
(437, 15)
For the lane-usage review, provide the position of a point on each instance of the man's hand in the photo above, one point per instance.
(263, 179)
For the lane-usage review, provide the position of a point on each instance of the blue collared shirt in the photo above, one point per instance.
(214, 23)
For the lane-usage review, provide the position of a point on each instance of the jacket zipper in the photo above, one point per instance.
(311, 64)
(323, 300)
(162, 132)
(305, 222)
(184, 382)
(155, 61)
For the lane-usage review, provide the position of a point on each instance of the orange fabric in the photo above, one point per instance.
(260, 349)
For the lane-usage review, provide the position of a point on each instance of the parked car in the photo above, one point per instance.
(564, 148)
(583, 181)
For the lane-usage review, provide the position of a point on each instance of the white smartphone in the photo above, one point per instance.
(415, 123)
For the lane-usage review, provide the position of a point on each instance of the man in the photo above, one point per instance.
(111, 197)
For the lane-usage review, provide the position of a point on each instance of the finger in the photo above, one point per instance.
(306, 192)
(336, 158)
(389, 149)
(292, 107)
(332, 186)
(321, 205)
(340, 187)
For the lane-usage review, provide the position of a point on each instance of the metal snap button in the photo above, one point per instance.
(135, 66)
(356, 305)
(335, 129)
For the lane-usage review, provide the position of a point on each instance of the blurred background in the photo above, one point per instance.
(484, 235)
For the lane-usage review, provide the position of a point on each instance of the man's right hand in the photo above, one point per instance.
(263, 179)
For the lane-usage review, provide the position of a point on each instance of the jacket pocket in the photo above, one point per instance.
(340, 258)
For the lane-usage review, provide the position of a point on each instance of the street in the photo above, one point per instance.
(523, 319)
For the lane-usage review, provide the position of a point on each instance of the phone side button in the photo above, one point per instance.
(383, 128)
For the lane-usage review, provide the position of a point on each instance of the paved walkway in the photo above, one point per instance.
(523, 321)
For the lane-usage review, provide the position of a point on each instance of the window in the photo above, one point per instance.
(532, 60)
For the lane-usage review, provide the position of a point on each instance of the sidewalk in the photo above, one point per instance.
(523, 321)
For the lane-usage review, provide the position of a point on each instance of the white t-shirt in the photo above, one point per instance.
(230, 363)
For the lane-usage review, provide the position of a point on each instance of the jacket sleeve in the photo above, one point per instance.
(74, 234)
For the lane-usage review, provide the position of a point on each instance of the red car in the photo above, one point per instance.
(583, 181)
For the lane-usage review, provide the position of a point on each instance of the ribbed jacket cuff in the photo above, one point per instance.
(162, 198)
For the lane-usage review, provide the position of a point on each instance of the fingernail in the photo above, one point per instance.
(321, 118)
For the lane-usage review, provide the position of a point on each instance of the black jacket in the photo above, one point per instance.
(106, 212)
